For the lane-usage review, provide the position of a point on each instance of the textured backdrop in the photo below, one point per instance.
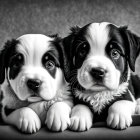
(18, 17)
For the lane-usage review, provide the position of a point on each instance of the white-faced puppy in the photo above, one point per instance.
(30, 73)
(98, 61)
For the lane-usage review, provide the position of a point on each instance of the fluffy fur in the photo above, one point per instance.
(97, 63)
(33, 85)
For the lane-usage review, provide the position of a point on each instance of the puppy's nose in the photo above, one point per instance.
(34, 84)
(98, 73)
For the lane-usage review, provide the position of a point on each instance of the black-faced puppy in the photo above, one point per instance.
(98, 60)
(30, 73)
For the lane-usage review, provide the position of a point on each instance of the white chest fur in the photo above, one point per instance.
(99, 100)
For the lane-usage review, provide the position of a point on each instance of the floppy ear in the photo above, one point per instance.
(67, 50)
(132, 41)
(4, 57)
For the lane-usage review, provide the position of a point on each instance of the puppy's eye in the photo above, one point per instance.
(17, 61)
(83, 49)
(50, 65)
(115, 54)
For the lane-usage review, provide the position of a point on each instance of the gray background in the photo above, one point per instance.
(18, 17)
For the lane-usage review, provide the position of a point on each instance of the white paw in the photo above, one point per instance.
(28, 121)
(119, 119)
(58, 117)
(81, 118)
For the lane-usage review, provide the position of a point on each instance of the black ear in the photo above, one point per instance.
(5, 53)
(67, 50)
(56, 43)
(132, 42)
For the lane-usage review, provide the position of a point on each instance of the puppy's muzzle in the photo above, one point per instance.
(34, 85)
(98, 74)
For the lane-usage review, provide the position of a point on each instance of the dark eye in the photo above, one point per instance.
(115, 54)
(83, 49)
(17, 61)
(50, 65)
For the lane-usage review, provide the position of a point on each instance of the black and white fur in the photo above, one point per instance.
(30, 72)
(98, 61)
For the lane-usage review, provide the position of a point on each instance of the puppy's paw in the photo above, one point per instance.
(58, 117)
(28, 121)
(81, 118)
(119, 119)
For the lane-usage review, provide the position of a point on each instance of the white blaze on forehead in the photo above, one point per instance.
(97, 36)
(33, 46)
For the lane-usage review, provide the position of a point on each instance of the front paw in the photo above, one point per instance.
(58, 117)
(119, 120)
(81, 118)
(28, 121)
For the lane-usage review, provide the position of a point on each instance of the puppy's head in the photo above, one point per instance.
(98, 56)
(30, 66)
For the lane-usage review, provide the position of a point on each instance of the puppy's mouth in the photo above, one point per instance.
(34, 98)
(98, 87)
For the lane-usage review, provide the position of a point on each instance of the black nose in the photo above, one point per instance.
(98, 73)
(34, 84)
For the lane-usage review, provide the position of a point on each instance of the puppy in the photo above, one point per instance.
(98, 61)
(32, 83)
